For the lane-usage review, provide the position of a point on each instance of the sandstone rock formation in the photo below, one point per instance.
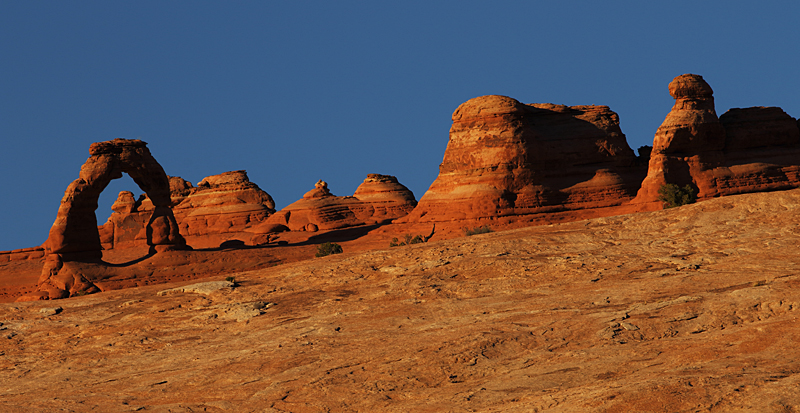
(224, 203)
(74, 235)
(692, 309)
(388, 198)
(762, 151)
(379, 199)
(745, 150)
(505, 158)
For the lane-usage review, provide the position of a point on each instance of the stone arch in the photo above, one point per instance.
(74, 238)
(74, 234)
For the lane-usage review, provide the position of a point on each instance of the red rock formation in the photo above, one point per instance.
(745, 150)
(380, 198)
(74, 235)
(762, 151)
(388, 198)
(74, 232)
(505, 158)
(224, 203)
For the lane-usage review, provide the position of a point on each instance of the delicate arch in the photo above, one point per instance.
(74, 234)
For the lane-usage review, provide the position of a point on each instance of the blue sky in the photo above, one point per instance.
(298, 91)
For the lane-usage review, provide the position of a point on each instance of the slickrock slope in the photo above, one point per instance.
(745, 150)
(692, 309)
(379, 199)
(507, 159)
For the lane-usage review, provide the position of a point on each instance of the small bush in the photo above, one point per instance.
(674, 196)
(416, 239)
(477, 230)
(328, 248)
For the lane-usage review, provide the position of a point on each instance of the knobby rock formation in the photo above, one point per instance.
(379, 199)
(744, 150)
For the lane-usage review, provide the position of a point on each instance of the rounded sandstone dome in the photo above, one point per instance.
(490, 105)
(690, 86)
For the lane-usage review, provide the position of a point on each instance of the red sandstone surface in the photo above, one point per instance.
(692, 309)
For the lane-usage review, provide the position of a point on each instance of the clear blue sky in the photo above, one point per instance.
(296, 91)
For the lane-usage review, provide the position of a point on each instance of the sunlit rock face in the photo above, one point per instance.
(505, 158)
(379, 199)
(74, 236)
(224, 203)
(744, 150)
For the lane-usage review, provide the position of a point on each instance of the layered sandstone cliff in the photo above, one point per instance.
(505, 158)
(744, 150)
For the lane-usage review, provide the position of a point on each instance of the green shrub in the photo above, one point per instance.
(674, 196)
(328, 248)
(477, 230)
(416, 239)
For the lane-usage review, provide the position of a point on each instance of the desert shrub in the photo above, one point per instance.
(477, 230)
(328, 248)
(409, 239)
(674, 196)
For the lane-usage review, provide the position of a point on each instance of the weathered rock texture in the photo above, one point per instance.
(224, 203)
(74, 235)
(505, 158)
(692, 309)
(745, 150)
(379, 199)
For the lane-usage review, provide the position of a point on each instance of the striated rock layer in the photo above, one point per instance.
(379, 199)
(744, 150)
(505, 158)
(224, 203)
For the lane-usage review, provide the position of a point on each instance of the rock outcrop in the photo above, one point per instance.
(744, 150)
(224, 203)
(505, 158)
(379, 199)
(762, 151)
(74, 235)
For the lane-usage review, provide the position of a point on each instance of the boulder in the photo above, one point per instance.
(505, 158)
